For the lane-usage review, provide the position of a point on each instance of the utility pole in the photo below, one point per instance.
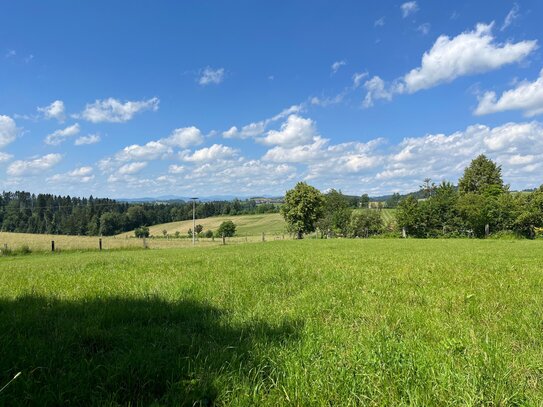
(193, 220)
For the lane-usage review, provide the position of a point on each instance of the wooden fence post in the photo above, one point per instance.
(223, 240)
(100, 243)
(487, 230)
(144, 243)
(263, 237)
(404, 233)
(52, 245)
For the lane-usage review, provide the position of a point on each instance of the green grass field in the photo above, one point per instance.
(250, 225)
(313, 322)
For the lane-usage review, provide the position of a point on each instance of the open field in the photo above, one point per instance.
(314, 322)
(42, 243)
(250, 225)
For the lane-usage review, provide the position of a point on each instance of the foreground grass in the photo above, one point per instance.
(337, 322)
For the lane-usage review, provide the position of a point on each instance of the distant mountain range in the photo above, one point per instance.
(176, 198)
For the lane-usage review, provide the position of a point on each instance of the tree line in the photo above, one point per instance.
(45, 213)
(480, 205)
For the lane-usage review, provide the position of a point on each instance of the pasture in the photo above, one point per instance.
(313, 322)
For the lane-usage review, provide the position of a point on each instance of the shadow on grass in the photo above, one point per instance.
(126, 351)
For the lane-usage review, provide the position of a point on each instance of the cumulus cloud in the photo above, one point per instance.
(376, 89)
(185, 137)
(8, 130)
(526, 96)
(5, 157)
(90, 139)
(78, 175)
(336, 65)
(132, 168)
(468, 53)
(215, 152)
(209, 76)
(295, 131)
(408, 8)
(54, 111)
(258, 128)
(176, 169)
(151, 151)
(114, 111)
(58, 136)
(34, 166)
(380, 22)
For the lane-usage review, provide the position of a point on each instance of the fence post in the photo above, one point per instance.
(223, 241)
(144, 243)
(263, 237)
(100, 243)
(52, 245)
(404, 234)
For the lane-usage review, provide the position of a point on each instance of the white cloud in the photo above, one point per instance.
(215, 152)
(380, 22)
(295, 131)
(8, 130)
(114, 111)
(34, 166)
(424, 29)
(132, 168)
(526, 96)
(210, 76)
(185, 137)
(258, 128)
(376, 89)
(90, 139)
(510, 17)
(336, 65)
(297, 154)
(153, 150)
(11, 53)
(409, 8)
(58, 136)
(357, 78)
(466, 54)
(78, 175)
(176, 169)
(54, 111)
(5, 157)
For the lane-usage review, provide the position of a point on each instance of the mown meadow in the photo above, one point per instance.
(311, 322)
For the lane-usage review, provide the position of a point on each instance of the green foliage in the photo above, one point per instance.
(393, 201)
(302, 209)
(141, 232)
(408, 216)
(208, 234)
(364, 201)
(226, 229)
(198, 228)
(365, 223)
(336, 214)
(480, 175)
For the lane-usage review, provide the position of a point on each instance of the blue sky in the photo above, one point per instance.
(246, 98)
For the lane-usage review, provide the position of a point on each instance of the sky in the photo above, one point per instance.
(244, 98)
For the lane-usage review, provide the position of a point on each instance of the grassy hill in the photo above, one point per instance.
(250, 225)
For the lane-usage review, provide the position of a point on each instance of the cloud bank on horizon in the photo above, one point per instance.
(427, 91)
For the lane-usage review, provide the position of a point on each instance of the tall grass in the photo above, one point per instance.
(315, 322)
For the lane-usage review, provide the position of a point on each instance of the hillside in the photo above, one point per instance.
(250, 225)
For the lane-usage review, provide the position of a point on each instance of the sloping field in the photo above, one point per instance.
(314, 322)
(250, 225)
